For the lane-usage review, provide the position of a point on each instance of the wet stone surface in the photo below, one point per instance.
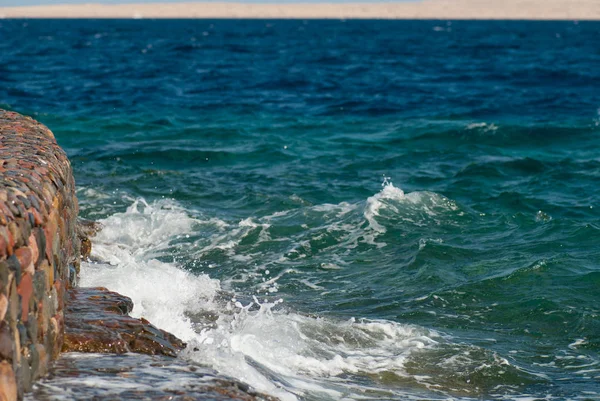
(104, 377)
(86, 229)
(97, 320)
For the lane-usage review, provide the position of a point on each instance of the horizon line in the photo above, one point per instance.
(553, 10)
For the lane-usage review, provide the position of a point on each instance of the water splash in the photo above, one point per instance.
(418, 208)
(263, 343)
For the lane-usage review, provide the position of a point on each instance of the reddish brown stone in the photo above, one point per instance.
(59, 338)
(25, 290)
(43, 357)
(5, 342)
(97, 321)
(14, 233)
(35, 253)
(3, 248)
(37, 217)
(43, 319)
(49, 234)
(60, 293)
(24, 255)
(53, 329)
(5, 211)
(45, 266)
(11, 241)
(5, 237)
(8, 383)
(3, 306)
(13, 300)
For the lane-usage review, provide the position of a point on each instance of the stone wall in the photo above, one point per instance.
(39, 250)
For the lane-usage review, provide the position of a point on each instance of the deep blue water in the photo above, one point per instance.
(437, 179)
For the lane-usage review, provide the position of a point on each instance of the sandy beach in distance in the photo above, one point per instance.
(427, 9)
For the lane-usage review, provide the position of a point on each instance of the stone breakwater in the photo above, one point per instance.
(39, 250)
(43, 312)
(41, 243)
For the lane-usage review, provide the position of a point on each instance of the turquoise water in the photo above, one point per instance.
(329, 209)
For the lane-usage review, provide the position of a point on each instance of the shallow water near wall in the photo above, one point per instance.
(77, 376)
(333, 210)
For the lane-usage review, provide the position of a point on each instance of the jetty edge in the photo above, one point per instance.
(42, 311)
(39, 250)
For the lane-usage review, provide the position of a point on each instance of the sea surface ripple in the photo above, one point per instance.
(339, 209)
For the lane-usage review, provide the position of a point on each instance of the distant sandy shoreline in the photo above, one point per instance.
(426, 9)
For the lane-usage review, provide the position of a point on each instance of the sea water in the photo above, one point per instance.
(328, 210)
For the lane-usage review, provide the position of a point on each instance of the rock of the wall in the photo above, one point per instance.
(39, 250)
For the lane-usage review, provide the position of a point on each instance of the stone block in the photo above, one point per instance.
(6, 343)
(8, 382)
(3, 306)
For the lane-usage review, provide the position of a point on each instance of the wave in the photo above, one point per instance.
(419, 208)
(260, 339)
(243, 341)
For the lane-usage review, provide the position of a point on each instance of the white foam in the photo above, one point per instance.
(339, 209)
(145, 228)
(91, 193)
(485, 127)
(578, 342)
(377, 201)
(305, 351)
(228, 236)
(418, 208)
(161, 292)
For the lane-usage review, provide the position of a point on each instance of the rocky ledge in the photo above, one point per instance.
(97, 320)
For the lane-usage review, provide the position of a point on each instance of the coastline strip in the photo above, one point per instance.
(424, 10)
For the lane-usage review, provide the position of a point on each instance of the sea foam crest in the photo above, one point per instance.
(377, 201)
(418, 208)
